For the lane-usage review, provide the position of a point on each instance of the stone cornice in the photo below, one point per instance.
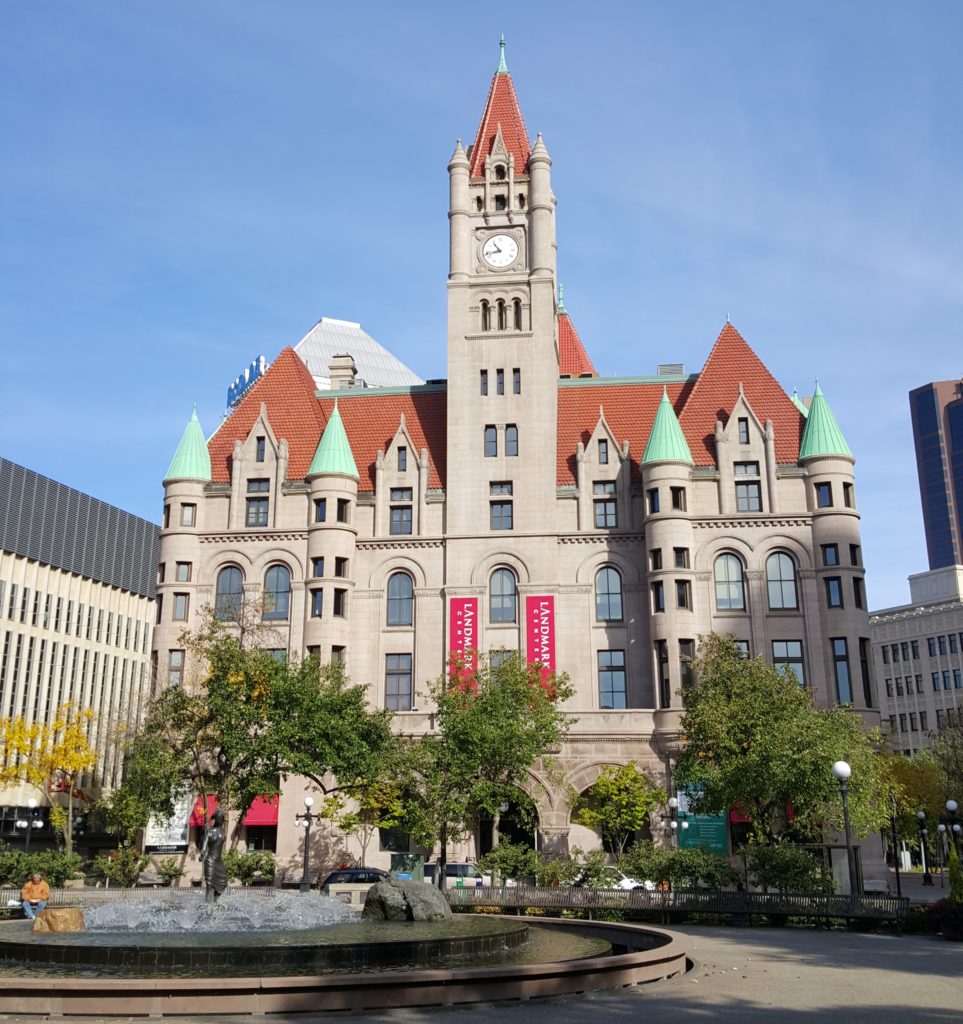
(397, 545)
(254, 536)
(747, 524)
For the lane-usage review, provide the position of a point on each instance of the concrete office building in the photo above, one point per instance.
(599, 526)
(76, 614)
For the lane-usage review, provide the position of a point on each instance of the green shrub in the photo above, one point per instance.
(248, 868)
(56, 866)
(510, 860)
(122, 866)
(169, 869)
(788, 869)
(956, 877)
(680, 868)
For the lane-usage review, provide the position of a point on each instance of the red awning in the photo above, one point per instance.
(197, 815)
(264, 811)
(738, 817)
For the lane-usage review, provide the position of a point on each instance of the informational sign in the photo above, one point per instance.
(170, 835)
(540, 632)
(463, 633)
(704, 830)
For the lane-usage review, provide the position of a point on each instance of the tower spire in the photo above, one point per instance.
(502, 66)
(502, 113)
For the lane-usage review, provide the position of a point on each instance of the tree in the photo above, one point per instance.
(364, 807)
(618, 805)
(249, 720)
(918, 786)
(752, 739)
(948, 754)
(493, 724)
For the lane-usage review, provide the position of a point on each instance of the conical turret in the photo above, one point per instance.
(334, 456)
(666, 443)
(821, 435)
(191, 461)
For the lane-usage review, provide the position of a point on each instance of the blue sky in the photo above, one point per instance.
(184, 186)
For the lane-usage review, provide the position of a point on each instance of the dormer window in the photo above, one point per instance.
(743, 430)
(603, 453)
(402, 458)
(259, 449)
(500, 172)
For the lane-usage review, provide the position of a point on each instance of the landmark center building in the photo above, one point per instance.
(598, 526)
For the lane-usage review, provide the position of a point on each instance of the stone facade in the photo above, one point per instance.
(520, 478)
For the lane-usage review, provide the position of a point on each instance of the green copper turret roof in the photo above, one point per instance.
(334, 456)
(821, 435)
(502, 66)
(800, 405)
(192, 460)
(667, 443)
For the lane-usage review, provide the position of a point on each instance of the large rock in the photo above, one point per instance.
(59, 919)
(396, 899)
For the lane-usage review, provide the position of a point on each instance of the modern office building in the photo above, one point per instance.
(76, 613)
(598, 526)
(937, 413)
(918, 654)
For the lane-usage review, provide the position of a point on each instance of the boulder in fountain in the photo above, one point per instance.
(395, 899)
(59, 919)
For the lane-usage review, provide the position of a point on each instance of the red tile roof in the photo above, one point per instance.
(501, 109)
(371, 420)
(731, 363)
(629, 411)
(572, 357)
(287, 389)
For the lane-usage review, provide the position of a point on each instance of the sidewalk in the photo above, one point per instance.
(911, 883)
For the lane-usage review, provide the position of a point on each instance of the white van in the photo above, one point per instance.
(458, 874)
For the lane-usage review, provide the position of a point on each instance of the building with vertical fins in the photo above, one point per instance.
(525, 504)
(76, 613)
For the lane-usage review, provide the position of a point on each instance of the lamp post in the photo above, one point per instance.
(304, 819)
(952, 825)
(28, 824)
(842, 771)
(927, 877)
(674, 819)
(941, 848)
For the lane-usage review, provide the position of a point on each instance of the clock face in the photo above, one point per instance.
(500, 251)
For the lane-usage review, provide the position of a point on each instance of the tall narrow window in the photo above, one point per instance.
(686, 657)
(517, 314)
(182, 603)
(606, 512)
(259, 449)
(402, 458)
(277, 594)
(824, 495)
(188, 515)
(834, 592)
(658, 596)
(502, 316)
(501, 507)
(486, 316)
(340, 602)
(748, 487)
(844, 687)
(781, 581)
(611, 680)
(398, 682)
(491, 442)
(229, 594)
(484, 382)
(511, 440)
(603, 452)
(401, 594)
(608, 595)
(678, 498)
(503, 600)
(317, 603)
(499, 382)
(340, 566)
(789, 654)
(683, 594)
(662, 673)
(175, 668)
(743, 424)
(400, 510)
(344, 510)
(516, 381)
(864, 673)
(320, 509)
(730, 586)
(652, 500)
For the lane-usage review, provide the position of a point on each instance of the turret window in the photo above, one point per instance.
(344, 510)
(848, 500)
(320, 509)
(678, 498)
(824, 495)
(317, 603)
(521, 200)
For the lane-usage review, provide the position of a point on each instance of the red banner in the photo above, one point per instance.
(540, 632)
(463, 635)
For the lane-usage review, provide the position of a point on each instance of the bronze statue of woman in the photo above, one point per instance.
(215, 876)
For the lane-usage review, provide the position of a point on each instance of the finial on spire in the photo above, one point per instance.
(502, 66)
(561, 299)
(727, 318)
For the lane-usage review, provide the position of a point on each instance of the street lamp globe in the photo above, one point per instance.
(921, 815)
(309, 802)
(673, 802)
(32, 804)
(842, 771)
(951, 806)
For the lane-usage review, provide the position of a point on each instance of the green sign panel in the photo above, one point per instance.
(708, 830)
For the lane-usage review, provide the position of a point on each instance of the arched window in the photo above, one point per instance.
(500, 173)
(503, 601)
(730, 587)
(502, 316)
(401, 593)
(608, 595)
(517, 313)
(277, 593)
(229, 594)
(486, 315)
(781, 578)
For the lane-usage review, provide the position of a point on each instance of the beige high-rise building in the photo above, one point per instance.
(599, 526)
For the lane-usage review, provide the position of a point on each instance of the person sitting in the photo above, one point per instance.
(34, 894)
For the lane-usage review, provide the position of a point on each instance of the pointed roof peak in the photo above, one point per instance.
(191, 461)
(573, 360)
(798, 402)
(666, 442)
(502, 66)
(821, 435)
(333, 456)
(561, 299)
(501, 108)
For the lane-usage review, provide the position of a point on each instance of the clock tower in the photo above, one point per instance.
(502, 329)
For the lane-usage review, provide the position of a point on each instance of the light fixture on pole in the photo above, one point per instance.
(842, 771)
(674, 820)
(953, 826)
(927, 877)
(941, 848)
(304, 819)
(29, 824)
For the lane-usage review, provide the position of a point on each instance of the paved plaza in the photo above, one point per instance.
(748, 975)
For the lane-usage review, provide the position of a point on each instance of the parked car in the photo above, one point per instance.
(459, 874)
(620, 880)
(353, 876)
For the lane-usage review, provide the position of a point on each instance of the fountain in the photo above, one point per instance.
(261, 951)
